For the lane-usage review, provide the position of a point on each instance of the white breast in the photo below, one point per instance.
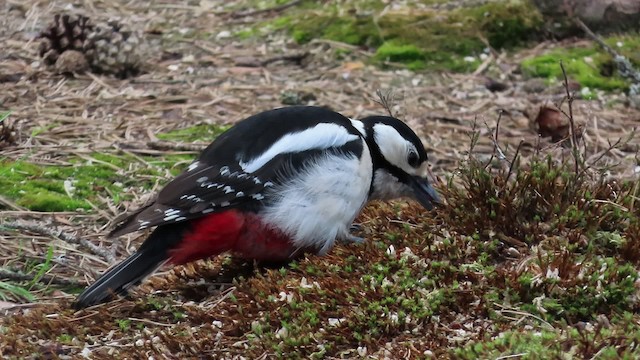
(322, 201)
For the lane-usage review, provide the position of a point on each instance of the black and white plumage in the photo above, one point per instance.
(275, 185)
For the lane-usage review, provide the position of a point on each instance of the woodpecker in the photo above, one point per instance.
(276, 185)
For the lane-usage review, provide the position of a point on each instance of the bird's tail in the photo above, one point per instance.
(117, 280)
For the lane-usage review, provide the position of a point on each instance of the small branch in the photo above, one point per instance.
(625, 68)
(474, 136)
(294, 58)
(608, 150)
(47, 230)
(278, 8)
(572, 125)
(169, 145)
(10, 204)
(515, 158)
(595, 37)
(44, 279)
(494, 139)
(386, 100)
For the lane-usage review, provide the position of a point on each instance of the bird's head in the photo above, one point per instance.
(399, 161)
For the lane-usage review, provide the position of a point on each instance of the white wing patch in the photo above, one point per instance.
(193, 166)
(319, 137)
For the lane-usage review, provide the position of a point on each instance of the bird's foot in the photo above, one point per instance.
(349, 238)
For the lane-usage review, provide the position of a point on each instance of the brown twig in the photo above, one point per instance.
(278, 8)
(168, 145)
(608, 150)
(494, 139)
(47, 230)
(572, 125)
(595, 37)
(386, 100)
(513, 162)
(625, 68)
(44, 279)
(295, 58)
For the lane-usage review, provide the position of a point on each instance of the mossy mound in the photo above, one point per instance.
(197, 133)
(538, 262)
(589, 65)
(420, 37)
(85, 179)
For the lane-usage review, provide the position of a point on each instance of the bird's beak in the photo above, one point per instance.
(424, 193)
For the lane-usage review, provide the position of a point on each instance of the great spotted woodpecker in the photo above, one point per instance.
(275, 185)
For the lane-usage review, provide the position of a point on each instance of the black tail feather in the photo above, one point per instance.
(117, 280)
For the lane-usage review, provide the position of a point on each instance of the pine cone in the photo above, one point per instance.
(108, 48)
(65, 32)
(114, 49)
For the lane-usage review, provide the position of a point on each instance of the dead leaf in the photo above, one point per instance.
(551, 122)
(353, 65)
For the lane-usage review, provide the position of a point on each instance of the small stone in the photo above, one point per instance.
(282, 333)
(223, 34)
(362, 351)
(86, 352)
(534, 86)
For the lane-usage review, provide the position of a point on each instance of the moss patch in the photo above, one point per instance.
(107, 174)
(77, 186)
(197, 133)
(588, 65)
(589, 341)
(539, 262)
(436, 38)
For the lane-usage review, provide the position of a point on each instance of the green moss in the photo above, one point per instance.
(590, 66)
(202, 132)
(69, 188)
(391, 51)
(106, 175)
(437, 39)
(567, 342)
(507, 24)
(350, 30)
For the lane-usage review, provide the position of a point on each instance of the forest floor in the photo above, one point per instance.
(535, 255)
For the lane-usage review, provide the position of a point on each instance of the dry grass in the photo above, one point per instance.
(196, 76)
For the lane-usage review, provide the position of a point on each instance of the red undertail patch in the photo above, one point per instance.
(243, 234)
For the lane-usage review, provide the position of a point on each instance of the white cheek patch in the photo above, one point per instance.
(319, 137)
(394, 147)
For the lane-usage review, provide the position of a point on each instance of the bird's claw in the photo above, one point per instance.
(351, 239)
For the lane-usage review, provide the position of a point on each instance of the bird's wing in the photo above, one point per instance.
(200, 190)
(241, 164)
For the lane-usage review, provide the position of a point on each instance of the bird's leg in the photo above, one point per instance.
(348, 238)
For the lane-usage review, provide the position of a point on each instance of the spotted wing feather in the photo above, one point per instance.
(200, 190)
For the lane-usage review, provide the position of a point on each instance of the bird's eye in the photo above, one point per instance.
(414, 159)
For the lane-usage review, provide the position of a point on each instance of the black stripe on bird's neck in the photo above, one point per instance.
(379, 161)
